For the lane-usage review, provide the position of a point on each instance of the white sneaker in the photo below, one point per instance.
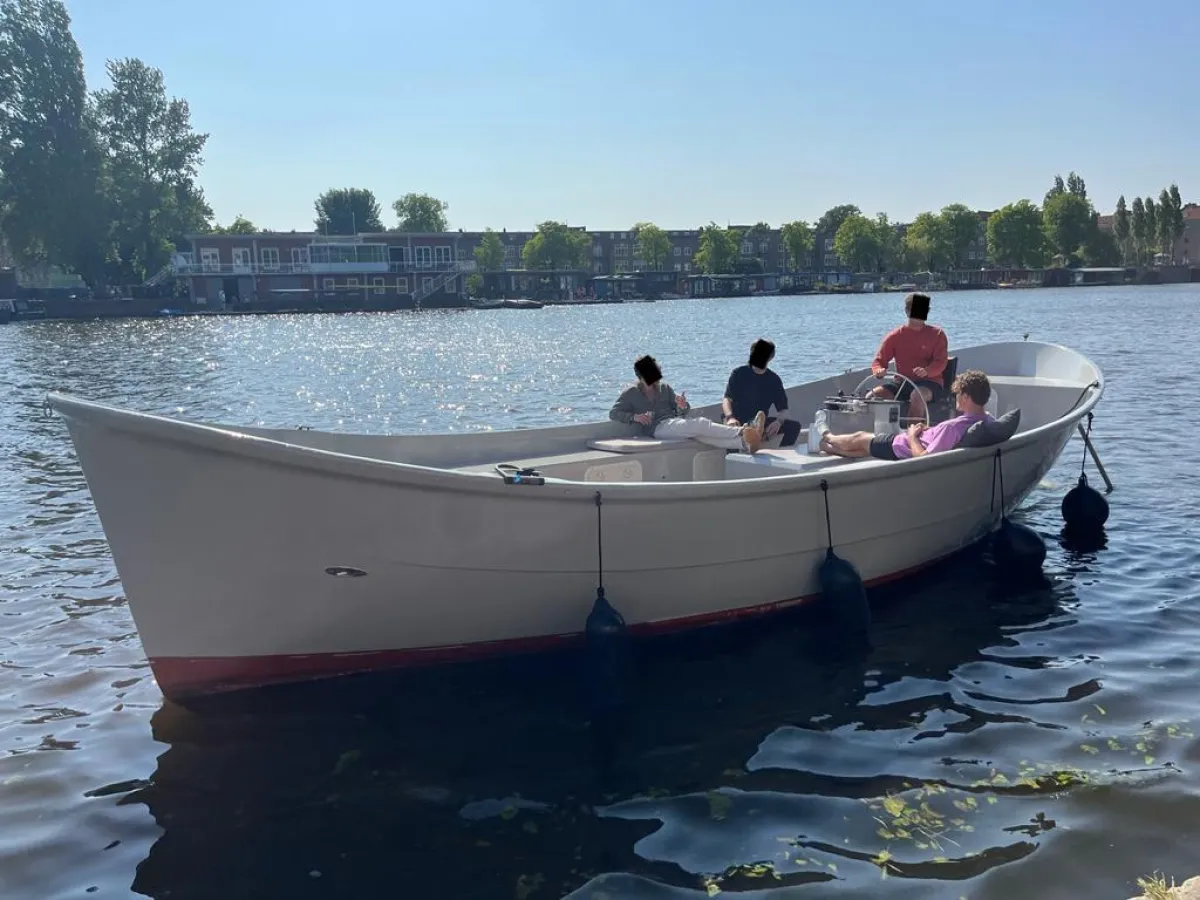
(817, 431)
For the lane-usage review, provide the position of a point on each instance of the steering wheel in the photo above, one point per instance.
(862, 384)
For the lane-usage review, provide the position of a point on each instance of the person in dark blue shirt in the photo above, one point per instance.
(754, 388)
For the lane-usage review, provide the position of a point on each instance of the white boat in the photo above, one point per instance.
(522, 303)
(253, 555)
(486, 303)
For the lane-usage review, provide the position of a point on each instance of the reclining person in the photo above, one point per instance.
(661, 413)
(754, 388)
(921, 354)
(971, 393)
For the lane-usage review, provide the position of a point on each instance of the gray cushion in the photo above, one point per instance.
(992, 431)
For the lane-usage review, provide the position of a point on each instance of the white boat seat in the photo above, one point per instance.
(794, 458)
(637, 444)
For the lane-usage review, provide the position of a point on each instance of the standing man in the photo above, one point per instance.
(754, 388)
(920, 352)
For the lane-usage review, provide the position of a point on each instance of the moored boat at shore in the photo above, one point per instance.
(254, 555)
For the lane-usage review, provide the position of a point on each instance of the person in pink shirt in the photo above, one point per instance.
(972, 390)
(920, 351)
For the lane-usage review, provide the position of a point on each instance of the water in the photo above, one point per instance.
(1048, 733)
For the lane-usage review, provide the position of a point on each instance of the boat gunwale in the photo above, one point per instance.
(226, 441)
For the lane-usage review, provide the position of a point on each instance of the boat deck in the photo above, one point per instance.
(648, 460)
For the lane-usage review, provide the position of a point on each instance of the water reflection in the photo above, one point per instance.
(467, 781)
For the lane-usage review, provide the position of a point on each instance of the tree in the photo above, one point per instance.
(1151, 230)
(1137, 227)
(154, 157)
(1166, 221)
(828, 224)
(963, 227)
(489, 255)
(421, 214)
(1076, 186)
(556, 246)
(928, 242)
(758, 234)
(1121, 229)
(474, 284)
(653, 245)
(1015, 236)
(52, 196)
(718, 249)
(889, 243)
(1067, 220)
(347, 211)
(1178, 225)
(857, 243)
(240, 225)
(1058, 188)
(1100, 248)
(797, 239)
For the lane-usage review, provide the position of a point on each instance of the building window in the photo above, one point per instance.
(747, 248)
(597, 250)
(828, 244)
(242, 257)
(402, 285)
(352, 283)
(678, 251)
(687, 251)
(452, 286)
(378, 282)
(270, 259)
(424, 256)
(762, 247)
(427, 284)
(621, 250)
(210, 259)
(441, 255)
(299, 256)
(678, 267)
(327, 284)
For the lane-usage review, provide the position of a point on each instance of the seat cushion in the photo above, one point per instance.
(992, 431)
(636, 444)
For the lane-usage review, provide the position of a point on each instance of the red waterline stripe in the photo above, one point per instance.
(180, 677)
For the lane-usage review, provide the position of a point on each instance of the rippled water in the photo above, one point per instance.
(995, 744)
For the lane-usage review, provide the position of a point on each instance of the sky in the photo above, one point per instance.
(608, 113)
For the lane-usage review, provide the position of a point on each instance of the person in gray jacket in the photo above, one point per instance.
(659, 412)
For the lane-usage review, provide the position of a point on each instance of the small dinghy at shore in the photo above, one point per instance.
(255, 555)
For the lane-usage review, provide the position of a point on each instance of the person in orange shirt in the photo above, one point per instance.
(920, 352)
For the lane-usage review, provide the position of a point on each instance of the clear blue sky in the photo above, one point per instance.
(607, 113)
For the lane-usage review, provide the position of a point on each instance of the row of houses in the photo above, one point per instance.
(432, 269)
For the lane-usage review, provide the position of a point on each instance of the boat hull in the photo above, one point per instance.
(249, 560)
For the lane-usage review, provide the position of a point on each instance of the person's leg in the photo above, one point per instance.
(706, 431)
(850, 445)
(789, 429)
(917, 404)
(884, 390)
